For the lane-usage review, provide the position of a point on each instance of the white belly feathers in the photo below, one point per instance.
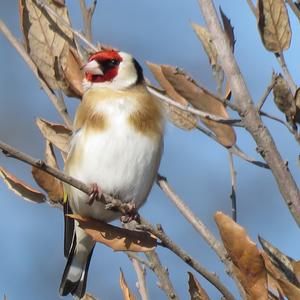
(122, 161)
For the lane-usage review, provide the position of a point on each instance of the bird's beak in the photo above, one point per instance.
(93, 67)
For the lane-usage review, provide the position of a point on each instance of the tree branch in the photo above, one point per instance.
(58, 103)
(250, 116)
(87, 15)
(167, 242)
(141, 280)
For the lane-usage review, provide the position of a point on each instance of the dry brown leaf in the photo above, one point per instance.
(296, 268)
(47, 182)
(284, 99)
(73, 75)
(127, 293)
(274, 287)
(179, 118)
(297, 102)
(203, 100)
(119, 239)
(58, 134)
(205, 38)
(229, 30)
(21, 188)
(280, 260)
(274, 25)
(245, 257)
(290, 290)
(197, 292)
(48, 42)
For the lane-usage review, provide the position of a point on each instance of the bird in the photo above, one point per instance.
(116, 148)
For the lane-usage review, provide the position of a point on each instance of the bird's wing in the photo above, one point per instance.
(69, 233)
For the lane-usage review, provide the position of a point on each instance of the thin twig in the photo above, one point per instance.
(164, 282)
(141, 280)
(286, 124)
(198, 225)
(286, 72)
(191, 217)
(234, 149)
(294, 8)
(87, 15)
(145, 262)
(63, 22)
(233, 187)
(168, 243)
(252, 7)
(166, 99)
(58, 104)
(266, 93)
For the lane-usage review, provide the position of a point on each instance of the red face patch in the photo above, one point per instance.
(109, 63)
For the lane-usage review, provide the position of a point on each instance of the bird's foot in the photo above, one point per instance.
(94, 194)
(131, 215)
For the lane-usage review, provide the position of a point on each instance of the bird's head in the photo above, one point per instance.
(112, 69)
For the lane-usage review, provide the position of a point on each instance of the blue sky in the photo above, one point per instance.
(31, 252)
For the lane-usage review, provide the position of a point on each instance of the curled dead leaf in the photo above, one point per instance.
(179, 118)
(274, 25)
(205, 38)
(21, 188)
(201, 99)
(284, 99)
(196, 290)
(280, 261)
(127, 293)
(58, 134)
(119, 239)
(47, 182)
(249, 264)
(291, 291)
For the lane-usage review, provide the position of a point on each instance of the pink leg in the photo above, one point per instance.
(95, 193)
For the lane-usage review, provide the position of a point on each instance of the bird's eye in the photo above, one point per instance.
(114, 62)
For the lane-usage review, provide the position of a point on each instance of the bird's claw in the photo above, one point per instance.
(131, 215)
(94, 194)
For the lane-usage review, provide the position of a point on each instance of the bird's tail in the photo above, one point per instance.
(75, 274)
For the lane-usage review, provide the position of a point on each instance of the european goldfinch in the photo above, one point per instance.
(116, 146)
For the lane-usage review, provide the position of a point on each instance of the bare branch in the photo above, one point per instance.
(252, 7)
(87, 15)
(58, 103)
(107, 199)
(233, 187)
(249, 114)
(286, 72)
(167, 242)
(234, 149)
(286, 124)
(294, 8)
(233, 122)
(162, 274)
(266, 94)
(141, 280)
